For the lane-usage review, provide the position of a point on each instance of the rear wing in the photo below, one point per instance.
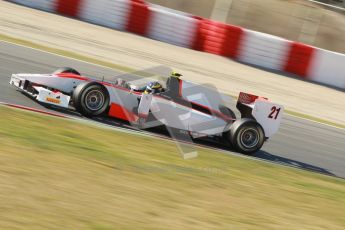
(266, 113)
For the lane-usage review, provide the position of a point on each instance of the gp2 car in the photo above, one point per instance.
(196, 110)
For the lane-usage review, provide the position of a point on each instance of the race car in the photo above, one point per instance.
(196, 110)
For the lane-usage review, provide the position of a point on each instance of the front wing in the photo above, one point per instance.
(40, 93)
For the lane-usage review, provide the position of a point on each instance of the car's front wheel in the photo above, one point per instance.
(66, 70)
(91, 99)
(246, 136)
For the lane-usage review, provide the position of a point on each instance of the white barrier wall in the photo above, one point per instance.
(47, 5)
(171, 27)
(264, 50)
(109, 13)
(328, 68)
(185, 30)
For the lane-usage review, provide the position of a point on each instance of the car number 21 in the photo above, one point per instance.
(274, 112)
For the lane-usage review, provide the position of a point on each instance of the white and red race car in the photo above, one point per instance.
(196, 110)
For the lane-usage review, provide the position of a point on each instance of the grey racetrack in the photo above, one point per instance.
(300, 143)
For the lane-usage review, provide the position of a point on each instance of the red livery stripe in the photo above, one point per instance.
(180, 88)
(121, 112)
(71, 75)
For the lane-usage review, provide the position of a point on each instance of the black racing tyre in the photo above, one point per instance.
(66, 70)
(91, 99)
(246, 136)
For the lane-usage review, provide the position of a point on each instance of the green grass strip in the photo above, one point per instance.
(58, 172)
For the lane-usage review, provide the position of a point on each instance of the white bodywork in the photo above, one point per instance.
(64, 84)
(268, 115)
(52, 98)
(45, 95)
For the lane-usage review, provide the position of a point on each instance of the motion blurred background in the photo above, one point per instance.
(299, 20)
(65, 173)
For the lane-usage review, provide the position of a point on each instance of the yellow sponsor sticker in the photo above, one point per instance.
(53, 100)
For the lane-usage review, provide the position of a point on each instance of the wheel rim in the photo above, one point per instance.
(94, 100)
(249, 138)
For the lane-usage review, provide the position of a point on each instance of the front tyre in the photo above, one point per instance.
(91, 99)
(246, 136)
(66, 70)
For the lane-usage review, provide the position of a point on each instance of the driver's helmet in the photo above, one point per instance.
(154, 87)
(175, 74)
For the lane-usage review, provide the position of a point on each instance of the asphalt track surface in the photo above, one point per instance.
(299, 143)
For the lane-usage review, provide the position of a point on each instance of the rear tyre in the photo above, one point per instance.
(66, 70)
(246, 136)
(91, 99)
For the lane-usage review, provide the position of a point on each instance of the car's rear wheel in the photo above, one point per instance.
(246, 136)
(66, 70)
(91, 99)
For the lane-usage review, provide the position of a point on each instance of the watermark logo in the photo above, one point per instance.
(184, 109)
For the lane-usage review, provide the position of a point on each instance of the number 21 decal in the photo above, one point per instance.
(274, 113)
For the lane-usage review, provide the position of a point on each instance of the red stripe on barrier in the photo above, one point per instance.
(299, 59)
(68, 7)
(139, 18)
(217, 38)
(233, 39)
(203, 36)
